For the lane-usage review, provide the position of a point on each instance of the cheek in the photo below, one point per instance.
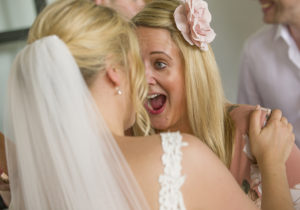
(178, 108)
(180, 99)
(285, 6)
(176, 89)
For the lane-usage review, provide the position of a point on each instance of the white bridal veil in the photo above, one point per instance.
(61, 154)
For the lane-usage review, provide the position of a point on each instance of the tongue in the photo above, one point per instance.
(157, 102)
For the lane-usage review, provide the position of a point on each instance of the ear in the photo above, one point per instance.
(113, 75)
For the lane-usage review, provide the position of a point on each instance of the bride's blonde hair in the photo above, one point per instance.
(92, 33)
(206, 103)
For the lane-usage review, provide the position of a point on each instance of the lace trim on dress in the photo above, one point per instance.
(170, 196)
(295, 193)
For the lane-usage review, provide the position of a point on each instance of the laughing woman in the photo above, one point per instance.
(185, 91)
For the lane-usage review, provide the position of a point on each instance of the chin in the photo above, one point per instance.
(268, 20)
(159, 125)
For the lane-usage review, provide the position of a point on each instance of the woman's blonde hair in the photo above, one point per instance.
(206, 109)
(94, 33)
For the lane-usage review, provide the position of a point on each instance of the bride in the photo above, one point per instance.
(74, 90)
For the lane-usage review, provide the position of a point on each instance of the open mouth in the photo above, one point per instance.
(155, 103)
(266, 6)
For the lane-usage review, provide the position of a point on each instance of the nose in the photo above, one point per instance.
(149, 75)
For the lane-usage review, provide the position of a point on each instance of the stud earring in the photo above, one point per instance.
(119, 92)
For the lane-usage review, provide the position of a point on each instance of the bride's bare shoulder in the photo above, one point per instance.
(206, 176)
(144, 156)
(148, 149)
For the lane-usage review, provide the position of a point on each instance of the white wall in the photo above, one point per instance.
(14, 14)
(7, 54)
(233, 21)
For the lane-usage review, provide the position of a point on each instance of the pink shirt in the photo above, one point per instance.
(243, 168)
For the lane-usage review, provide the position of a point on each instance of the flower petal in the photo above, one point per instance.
(182, 23)
(193, 20)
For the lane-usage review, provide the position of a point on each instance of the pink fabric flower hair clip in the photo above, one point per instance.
(193, 21)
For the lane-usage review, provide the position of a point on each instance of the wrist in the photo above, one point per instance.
(268, 167)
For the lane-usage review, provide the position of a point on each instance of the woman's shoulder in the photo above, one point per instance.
(150, 149)
(156, 145)
(205, 176)
(208, 178)
(145, 154)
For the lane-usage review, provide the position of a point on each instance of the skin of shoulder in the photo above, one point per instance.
(144, 157)
(206, 178)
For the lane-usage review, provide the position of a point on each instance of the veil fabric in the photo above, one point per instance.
(61, 155)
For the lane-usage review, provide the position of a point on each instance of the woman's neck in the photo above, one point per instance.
(182, 125)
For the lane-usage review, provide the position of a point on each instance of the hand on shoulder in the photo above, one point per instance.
(272, 144)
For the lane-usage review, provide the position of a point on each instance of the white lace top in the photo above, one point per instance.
(170, 196)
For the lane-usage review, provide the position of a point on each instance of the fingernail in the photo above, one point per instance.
(257, 107)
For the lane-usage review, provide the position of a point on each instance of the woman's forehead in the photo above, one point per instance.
(156, 39)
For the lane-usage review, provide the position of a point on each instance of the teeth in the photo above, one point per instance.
(266, 5)
(152, 96)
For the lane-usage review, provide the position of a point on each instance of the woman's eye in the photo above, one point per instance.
(159, 65)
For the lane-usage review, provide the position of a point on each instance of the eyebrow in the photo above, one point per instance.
(160, 52)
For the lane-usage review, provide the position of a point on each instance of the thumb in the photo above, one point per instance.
(255, 126)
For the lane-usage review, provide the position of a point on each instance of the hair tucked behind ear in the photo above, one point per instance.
(206, 109)
(92, 39)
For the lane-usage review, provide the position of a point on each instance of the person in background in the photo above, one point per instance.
(126, 7)
(270, 63)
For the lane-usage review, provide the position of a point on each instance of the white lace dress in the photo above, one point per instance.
(170, 196)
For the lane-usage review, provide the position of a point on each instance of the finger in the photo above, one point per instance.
(276, 115)
(255, 121)
(284, 121)
(290, 127)
(293, 138)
